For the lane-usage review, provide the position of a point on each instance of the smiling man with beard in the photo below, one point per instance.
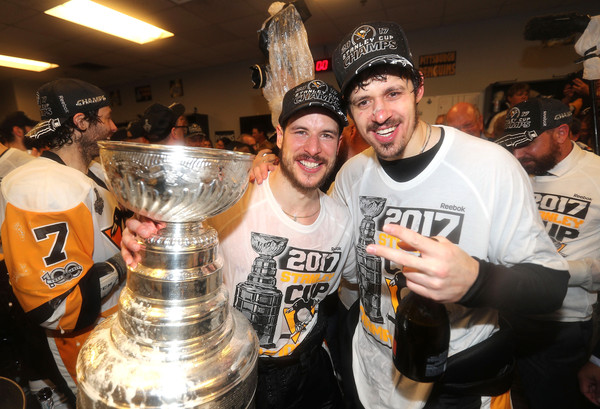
(462, 205)
(552, 347)
(61, 227)
(285, 247)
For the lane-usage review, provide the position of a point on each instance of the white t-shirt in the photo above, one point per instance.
(569, 203)
(11, 159)
(279, 281)
(475, 194)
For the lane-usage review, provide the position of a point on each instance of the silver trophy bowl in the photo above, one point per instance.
(174, 342)
(174, 183)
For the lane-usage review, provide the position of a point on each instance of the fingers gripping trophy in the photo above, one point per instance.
(174, 341)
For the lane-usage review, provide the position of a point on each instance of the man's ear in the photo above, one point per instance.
(279, 136)
(80, 122)
(421, 90)
(561, 133)
(176, 137)
(18, 131)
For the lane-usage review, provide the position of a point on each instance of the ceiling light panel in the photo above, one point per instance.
(101, 18)
(25, 64)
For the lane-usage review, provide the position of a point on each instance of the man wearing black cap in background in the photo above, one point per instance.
(61, 226)
(566, 184)
(135, 132)
(418, 181)
(13, 129)
(160, 124)
(290, 214)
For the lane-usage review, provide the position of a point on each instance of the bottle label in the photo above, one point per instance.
(436, 365)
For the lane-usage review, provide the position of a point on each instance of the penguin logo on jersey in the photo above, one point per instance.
(558, 245)
(299, 315)
(115, 232)
(395, 285)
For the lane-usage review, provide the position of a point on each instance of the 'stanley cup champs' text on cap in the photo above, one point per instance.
(61, 99)
(313, 93)
(529, 119)
(368, 45)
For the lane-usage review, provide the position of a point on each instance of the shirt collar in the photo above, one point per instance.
(569, 162)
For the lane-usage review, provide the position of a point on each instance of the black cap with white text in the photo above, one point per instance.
(61, 99)
(529, 119)
(369, 45)
(313, 93)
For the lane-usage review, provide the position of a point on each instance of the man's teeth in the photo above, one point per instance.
(310, 165)
(386, 132)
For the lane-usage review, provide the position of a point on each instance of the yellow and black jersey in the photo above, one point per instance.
(58, 224)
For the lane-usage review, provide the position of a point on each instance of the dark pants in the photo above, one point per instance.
(549, 355)
(348, 320)
(441, 400)
(303, 380)
(24, 352)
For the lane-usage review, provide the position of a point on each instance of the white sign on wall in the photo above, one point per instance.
(430, 107)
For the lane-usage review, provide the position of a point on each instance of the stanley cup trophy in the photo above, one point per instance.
(369, 266)
(258, 298)
(174, 342)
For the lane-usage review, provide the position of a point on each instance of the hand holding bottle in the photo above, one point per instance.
(442, 272)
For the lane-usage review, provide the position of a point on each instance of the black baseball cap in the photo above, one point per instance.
(368, 45)
(157, 121)
(136, 129)
(313, 93)
(529, 119)
(178, 108)
(61, 99)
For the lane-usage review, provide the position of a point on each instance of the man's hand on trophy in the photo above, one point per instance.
(130, 245)
(264, 162)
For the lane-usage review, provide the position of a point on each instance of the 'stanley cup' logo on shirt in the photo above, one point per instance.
(563, 216)
(366, 40)
(446, 221)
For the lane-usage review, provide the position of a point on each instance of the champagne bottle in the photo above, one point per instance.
(421, 338)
